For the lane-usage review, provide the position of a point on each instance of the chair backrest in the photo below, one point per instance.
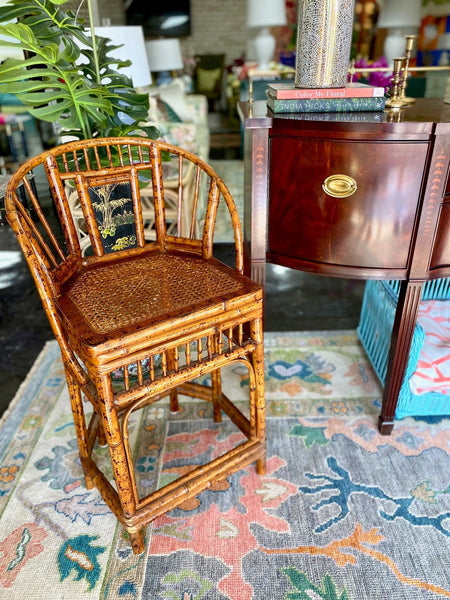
(110, 177)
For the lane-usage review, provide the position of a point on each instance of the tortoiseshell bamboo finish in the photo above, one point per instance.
(162, 312)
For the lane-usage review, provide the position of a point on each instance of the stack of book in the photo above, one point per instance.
(284, 97)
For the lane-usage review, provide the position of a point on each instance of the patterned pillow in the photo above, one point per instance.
(160, 112)
(207, 79)
(171, 114)
(157, 112)
(174, 96)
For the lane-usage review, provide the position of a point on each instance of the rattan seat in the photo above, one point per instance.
(109, 302)
(141, 317)
(157, 286)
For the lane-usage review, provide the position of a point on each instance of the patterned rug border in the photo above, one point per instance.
(27, 391)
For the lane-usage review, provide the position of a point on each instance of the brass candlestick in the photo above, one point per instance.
(393, 115)
(410, 39)
(395, 101)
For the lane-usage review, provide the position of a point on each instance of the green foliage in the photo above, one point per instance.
(310, 435)
(303, 586)
(67, 77)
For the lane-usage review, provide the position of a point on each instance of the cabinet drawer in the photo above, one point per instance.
(372, 228)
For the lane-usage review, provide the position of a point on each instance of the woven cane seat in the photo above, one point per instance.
(145, 290)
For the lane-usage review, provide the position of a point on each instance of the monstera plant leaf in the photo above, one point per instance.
(50, 84)
(67, 76)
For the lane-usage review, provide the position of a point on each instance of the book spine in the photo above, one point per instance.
(328, 94)
(339, 105)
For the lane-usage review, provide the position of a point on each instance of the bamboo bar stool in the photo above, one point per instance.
(160, 312)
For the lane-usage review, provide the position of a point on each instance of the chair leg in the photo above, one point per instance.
(216, 381)
(259, 395)
(79, 420)
(174, 407)
(137, 541)
(122, 470)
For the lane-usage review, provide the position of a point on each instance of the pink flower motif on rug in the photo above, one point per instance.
(227, 535)
(17, 549)
(194, 444)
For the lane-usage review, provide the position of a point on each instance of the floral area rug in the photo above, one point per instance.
(341, 513)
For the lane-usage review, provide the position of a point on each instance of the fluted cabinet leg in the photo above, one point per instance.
(402, 335)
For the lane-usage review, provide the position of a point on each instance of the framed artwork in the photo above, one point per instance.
(113, 210)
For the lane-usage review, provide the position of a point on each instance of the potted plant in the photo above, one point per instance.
(67, 77)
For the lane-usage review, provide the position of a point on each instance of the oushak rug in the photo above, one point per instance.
(342, 512)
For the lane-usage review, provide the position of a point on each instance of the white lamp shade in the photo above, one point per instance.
(400, 13)
(164, 55)
(266, 13)
(132, 48)
(400, 17)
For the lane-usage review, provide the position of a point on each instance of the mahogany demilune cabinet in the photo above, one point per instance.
(356, 195)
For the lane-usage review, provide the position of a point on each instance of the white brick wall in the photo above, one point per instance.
(217, 26)
(106, 9)
(113, 10)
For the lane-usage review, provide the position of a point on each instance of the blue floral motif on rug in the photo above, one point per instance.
(341, 513)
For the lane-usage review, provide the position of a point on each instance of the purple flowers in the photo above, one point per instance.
(378, 79)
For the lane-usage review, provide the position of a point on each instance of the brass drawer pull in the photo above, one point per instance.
(339, 186)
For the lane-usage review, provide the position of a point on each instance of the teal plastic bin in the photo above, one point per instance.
(375, 330)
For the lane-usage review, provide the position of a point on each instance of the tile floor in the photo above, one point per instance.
(294, 301)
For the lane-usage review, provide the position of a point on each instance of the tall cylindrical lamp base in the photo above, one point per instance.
(324, 38)
(264, 45)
